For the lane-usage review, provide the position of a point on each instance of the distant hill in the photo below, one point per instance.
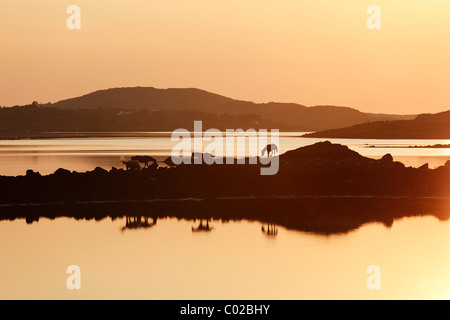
(150, 109)
(290, 115)
(424, 126)
(146, 98)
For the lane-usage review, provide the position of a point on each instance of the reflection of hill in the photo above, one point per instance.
(310, 214)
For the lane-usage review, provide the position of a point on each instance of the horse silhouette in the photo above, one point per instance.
(144, 159)
(202, 227)
(272, 230)
(169, 162)
(271, 149)
(138, 222)
(132, 165)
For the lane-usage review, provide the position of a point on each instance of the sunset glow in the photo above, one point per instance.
(207, 150)
(308, 52)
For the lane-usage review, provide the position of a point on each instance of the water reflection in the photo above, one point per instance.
(235, 261)
(201, 227)
(271, 229)
(85, 152)
(138, 222)
(319, 215)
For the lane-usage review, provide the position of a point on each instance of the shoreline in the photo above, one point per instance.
(321, 169)
(323, 216)
(236, 198)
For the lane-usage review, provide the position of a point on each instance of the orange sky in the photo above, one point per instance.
(309, 52)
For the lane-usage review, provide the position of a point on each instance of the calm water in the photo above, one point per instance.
(233, 261)
(82, 154)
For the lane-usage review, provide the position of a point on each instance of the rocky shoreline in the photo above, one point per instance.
(322, 169)
(323, 188)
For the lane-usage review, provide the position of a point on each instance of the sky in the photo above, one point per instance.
(317, 52)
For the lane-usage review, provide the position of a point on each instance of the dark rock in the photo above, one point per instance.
(31, 174)
(424, 167)
(323, 154)
(35, 104)
(399, 165)
(387, 158)
(101, 171)
(447, 164)
(62, 172)
(30, 220)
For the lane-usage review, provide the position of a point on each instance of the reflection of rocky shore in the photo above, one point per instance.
(320, 170)
(311, 214)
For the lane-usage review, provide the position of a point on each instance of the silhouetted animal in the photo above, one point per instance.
(135, 222)
(271, 149)
(168, 161)
(202, 227)
(153, 166)
(132, 165)
(144, 159)
(272, 230)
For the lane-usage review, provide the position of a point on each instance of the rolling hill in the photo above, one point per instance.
(150, 109)
(290, 115)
